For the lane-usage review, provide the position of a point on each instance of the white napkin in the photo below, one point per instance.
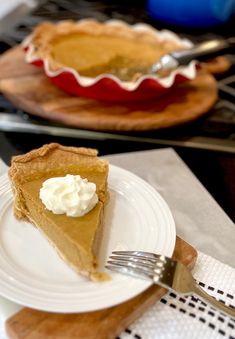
(177, 317)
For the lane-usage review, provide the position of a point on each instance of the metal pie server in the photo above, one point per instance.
(200, 52)
(169, 62)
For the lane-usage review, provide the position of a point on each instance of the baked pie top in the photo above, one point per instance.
(94, 48)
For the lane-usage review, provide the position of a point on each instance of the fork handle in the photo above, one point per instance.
(218, 304)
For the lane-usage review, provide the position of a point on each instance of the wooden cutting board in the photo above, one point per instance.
(28, 88)
(104, 324)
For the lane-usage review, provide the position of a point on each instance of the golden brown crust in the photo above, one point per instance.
(45, 149)
(45, 32)
(24, 167)
(43, 35)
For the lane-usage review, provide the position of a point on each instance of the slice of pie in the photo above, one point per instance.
(76, 239)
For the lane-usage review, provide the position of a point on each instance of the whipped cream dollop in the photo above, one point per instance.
(70, 195)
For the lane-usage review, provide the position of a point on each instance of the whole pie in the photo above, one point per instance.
(93, 48)
(77, 239)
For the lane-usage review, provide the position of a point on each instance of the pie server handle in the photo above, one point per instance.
(205, 50)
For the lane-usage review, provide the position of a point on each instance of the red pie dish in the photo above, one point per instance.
(85, 58)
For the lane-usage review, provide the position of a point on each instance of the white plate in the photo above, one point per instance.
(32, 274)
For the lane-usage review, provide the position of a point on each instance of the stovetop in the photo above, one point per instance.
(214, 131)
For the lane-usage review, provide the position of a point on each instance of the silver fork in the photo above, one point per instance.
(164, 271)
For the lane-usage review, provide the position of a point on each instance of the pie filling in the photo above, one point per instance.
(92, 48)
(72, 236)
(92, 55)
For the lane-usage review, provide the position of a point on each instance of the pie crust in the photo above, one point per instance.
(93, 48)
(77, 239)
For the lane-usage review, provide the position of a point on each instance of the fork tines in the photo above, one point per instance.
(136, 263)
